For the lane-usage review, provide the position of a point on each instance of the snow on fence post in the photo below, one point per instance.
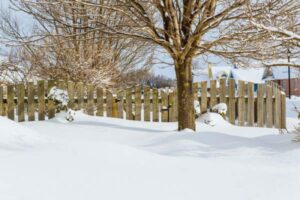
(70, 89)
(30, 101)
(260, 105)
(213, 93)
(269, 106)
(41, 99)
(109, 103)
(1, 102)
(137, 103)
(277, 108)
(51, 105)
(241, 103)
(155, 110)
(250, 116)
(100, 101)
(232, 101)
(90, 100)
(80, 95)
(222, 90)
(164, 106)
(20, 102)
(283, 111)
(129, 115)
(203, 97)
(146, 103)
(120, 103)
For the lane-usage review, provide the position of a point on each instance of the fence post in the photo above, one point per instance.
(269, 107)
(30, 101)
(241, 103)
(41, 99)
(260, 105)
(203, 97)
(137, 103)
(1, 102)
(146, 103)
(20, 98)
(51, 106)
(250, 117)
(232, 101)
(155, 111)
(99, 102)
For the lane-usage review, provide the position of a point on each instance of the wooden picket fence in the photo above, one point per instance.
(246, 107)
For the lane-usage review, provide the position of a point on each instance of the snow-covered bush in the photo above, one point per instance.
(61, 100)
(220, 108)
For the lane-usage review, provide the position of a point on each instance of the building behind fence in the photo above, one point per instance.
(263, 108)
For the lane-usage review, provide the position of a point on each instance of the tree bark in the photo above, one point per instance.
(186, 112)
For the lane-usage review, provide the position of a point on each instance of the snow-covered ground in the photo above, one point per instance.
(96, 158)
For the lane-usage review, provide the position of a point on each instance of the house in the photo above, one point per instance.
(280, 76)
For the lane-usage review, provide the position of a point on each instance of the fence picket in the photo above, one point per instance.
(283, 111)
(41, 99)
(51, 106)
(129, 114)
(1, 102)
(213, 93)
(260, 105)
(155, 110)
(80, 95)
(173, 103)
(241, 103)
(269, 106)
(137, 103)
(120, 96)
(100, 102)
(164, 107)
(109, 103)
(10, 102)
(71, 87)
(147, 103)
(30, 101)
(277, 108)
(20, 102)
(250, 111)
(232, 101)
(203, 97)
(90, 100)
(222, 90)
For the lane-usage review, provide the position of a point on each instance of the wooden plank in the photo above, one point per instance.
(260, 106)
(1, 102)
(109, 103)
(71, 94)
(120, 103)
(138, 103)
(147, 103)
(129, 114)
(114, 107)
(100, 102)
(20, 102)
(30, 103)
(51, 105)
(10, 102)
(41, 99)
(213, 93)
(269, 107)
(250, 111)
(231, 101)
(203, 97)
(173, 106)
(222, 90)
(283, 111)
(241, 103)
(155, 110)
(277, 108)
(90, 100)
(164, 107)
(80, 95)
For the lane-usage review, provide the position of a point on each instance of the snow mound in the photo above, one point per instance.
(14, 135)
(220, 108)
(212, 119)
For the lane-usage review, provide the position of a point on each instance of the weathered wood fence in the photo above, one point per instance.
(246, 107)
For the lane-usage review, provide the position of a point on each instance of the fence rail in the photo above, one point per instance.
(263, 107)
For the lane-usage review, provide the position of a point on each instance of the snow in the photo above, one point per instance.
(220, 108)
(254, 75)
(103, 158)
(59, 95)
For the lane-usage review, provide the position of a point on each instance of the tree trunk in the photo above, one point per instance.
(186, 112)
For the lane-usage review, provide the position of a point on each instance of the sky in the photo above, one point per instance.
(163, 69)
